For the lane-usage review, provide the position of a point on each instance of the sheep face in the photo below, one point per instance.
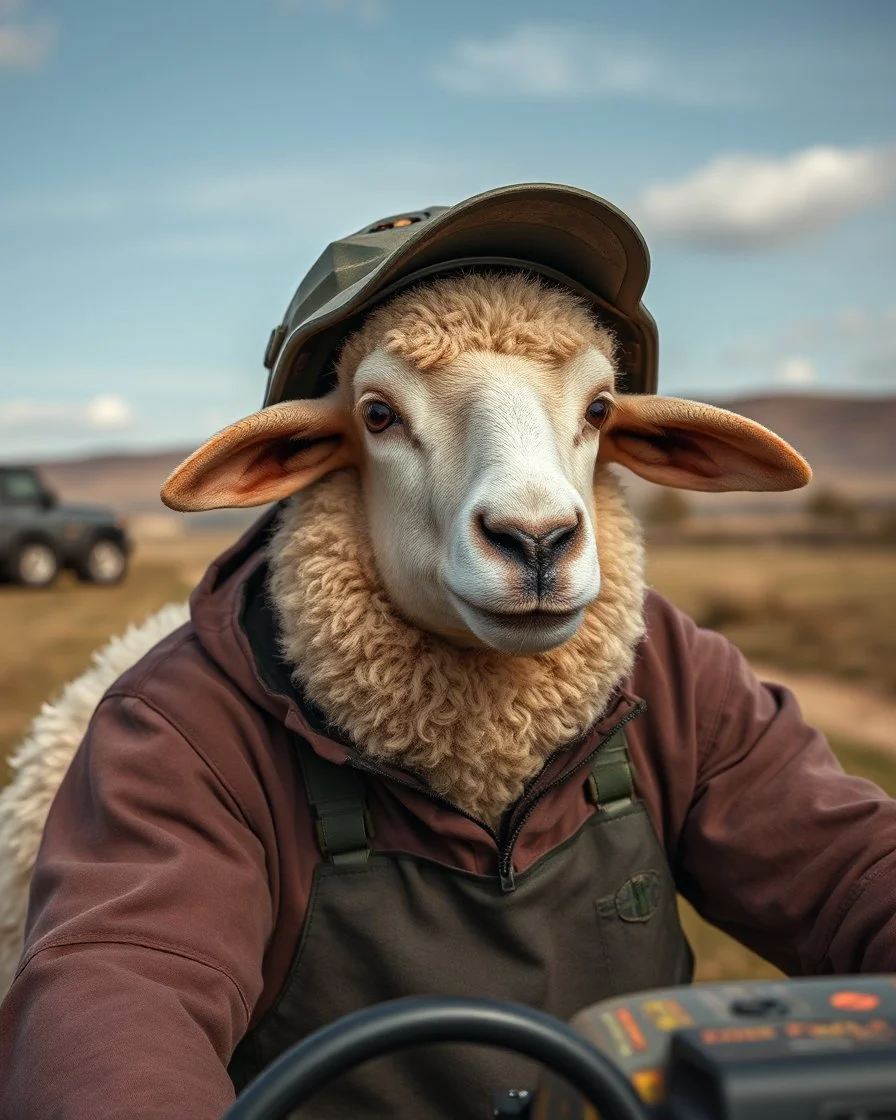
(478, 480)
(476, 410)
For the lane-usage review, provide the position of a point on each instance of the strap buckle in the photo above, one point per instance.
(611, 784)
(342, 822)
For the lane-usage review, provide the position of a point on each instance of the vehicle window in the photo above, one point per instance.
(21, 487)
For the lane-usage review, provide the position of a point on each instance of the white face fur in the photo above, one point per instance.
(479, 492)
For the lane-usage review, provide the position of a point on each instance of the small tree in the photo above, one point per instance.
(828, 507)
(886, 526)
(667, 510)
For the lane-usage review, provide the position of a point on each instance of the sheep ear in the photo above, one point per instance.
(263, 457)
(697, 447)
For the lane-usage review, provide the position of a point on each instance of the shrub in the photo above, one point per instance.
(668, 509)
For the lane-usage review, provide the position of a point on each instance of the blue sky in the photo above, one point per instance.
(169, 170)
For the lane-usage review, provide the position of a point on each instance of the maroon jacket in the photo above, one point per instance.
(175, 870)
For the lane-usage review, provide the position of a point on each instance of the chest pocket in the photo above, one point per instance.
(642, 943)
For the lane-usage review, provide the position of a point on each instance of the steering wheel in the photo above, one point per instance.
(336, 1049)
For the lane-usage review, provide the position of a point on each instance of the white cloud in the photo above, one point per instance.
(847, 346)
(797, 370)
(738, 202)
(167, 408)
(31, 428)
(25, 44)
(109, 413)
(104, 413)
(554, 60)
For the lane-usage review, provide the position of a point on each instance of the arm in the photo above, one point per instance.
(149, 915)
(780, 848)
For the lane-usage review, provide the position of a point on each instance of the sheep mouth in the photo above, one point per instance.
(540, 616)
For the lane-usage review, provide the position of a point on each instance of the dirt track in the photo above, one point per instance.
(842, 709)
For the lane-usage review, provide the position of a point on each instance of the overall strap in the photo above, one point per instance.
(337, 798)
(611, 783)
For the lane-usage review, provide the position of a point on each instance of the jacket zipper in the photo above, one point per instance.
(505, 856)
(504, 843)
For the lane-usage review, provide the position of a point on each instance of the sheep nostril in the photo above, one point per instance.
(553, 544)
(534, 550)
(509, 540)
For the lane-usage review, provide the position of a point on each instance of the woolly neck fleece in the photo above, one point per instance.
(475, 724)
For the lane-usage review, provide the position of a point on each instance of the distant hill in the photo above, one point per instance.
(130, 484)
(842, 437)
(850, 442)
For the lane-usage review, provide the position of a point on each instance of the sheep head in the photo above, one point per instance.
(477, 410)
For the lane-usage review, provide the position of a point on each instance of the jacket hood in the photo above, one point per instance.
(235, 626)
(217, 606)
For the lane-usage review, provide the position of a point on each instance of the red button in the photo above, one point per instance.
(854, 1001)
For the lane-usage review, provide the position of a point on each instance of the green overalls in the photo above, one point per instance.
(593, 918)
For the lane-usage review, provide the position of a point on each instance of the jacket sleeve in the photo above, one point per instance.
(149, 914)
(780, 848)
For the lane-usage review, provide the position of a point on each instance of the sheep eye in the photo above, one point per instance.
(378, 416)
(597, 412)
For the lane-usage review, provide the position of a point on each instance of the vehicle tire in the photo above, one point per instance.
(35, 564)
(105, 562)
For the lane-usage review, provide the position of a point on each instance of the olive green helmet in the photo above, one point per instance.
(558, 232)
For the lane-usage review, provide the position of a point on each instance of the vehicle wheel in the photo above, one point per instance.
(106, 562)
(35, 565)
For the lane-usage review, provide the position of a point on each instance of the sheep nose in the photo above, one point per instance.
(536, 547)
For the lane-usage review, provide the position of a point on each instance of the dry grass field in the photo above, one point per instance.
(828, 614)
(821, 609)
(827, 619)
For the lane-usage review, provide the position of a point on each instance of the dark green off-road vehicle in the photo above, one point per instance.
(39, 535)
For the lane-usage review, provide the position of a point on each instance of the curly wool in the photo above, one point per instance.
(476, 724)
(432, 324)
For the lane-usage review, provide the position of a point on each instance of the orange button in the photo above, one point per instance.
(649, 1085)
(854, 1001)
